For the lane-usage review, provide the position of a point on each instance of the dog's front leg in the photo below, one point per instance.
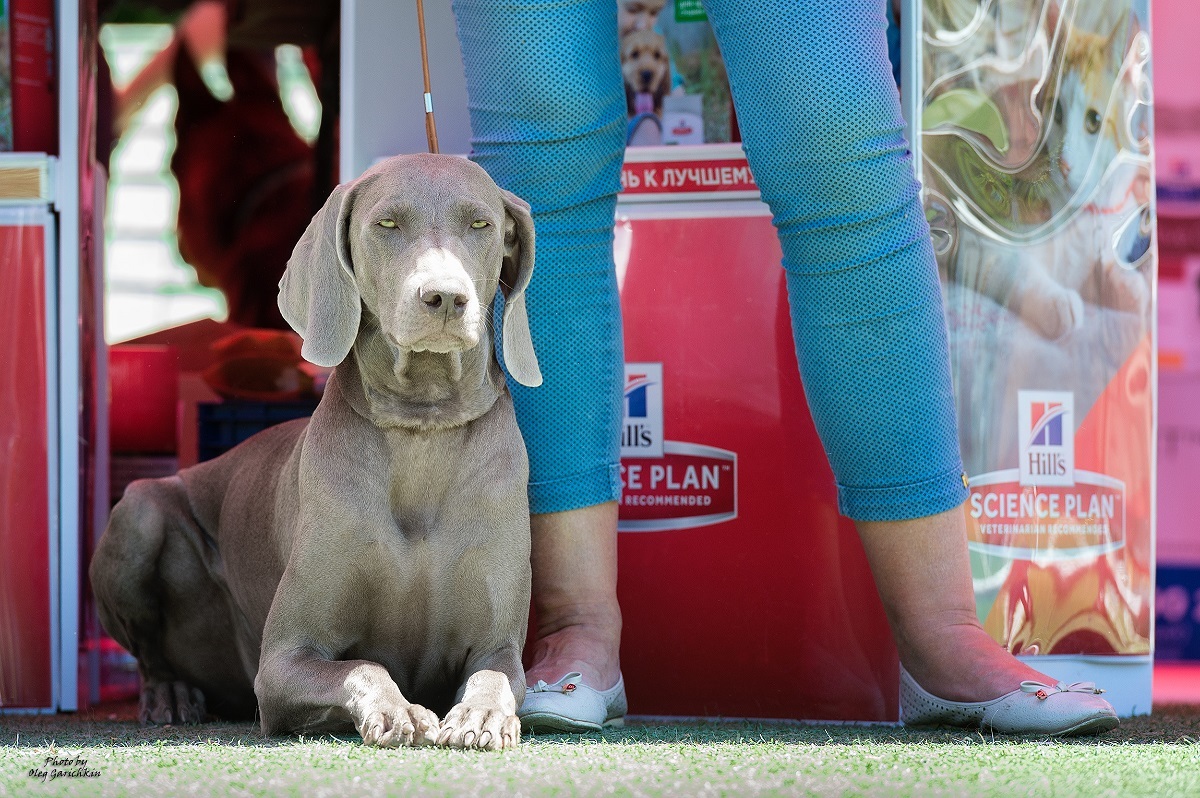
(299, 691)
(486, 714)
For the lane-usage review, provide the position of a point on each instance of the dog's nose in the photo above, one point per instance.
(444, 300)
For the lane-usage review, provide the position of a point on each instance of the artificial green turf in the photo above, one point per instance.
(1157, 756)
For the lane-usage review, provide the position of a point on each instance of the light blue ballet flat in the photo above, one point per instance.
(569, 706)
(1059, 710)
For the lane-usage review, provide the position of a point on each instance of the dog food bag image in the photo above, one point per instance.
(1035, 134)
(676, 90)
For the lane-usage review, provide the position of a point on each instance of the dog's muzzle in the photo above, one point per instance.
(437, 309)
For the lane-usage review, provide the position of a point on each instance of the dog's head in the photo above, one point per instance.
(421, 242)
(644, 62)
(638, 14)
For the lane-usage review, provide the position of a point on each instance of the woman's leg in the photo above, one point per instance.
(548, 118)
(821, 123)
(924, 579)
(575, 595)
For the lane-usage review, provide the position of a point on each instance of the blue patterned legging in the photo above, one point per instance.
(821, 126)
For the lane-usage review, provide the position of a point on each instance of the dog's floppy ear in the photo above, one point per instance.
(317, 295)
(519, 357)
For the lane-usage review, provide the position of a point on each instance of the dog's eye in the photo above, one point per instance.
(388, 223)
(479, 224)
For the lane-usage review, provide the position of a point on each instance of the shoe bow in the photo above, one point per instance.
(1044, 691)
(566, 684)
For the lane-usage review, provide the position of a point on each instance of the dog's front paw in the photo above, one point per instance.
(479, 726)
(410, 725)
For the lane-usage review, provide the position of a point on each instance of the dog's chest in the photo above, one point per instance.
(427, 486)
(465, 484)
(433, 607)
(448, 566)
(460, 526)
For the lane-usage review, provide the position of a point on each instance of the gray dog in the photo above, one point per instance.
(333, 572)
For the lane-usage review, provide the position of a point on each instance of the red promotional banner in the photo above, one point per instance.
(689, 486)
(688, 177)
(733, 558)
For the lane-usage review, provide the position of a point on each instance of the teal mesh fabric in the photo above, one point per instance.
(821, 126)
(547, 107)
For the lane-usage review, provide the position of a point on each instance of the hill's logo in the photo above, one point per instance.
(1046, 418)
(1047, 443)
(668, 484)
(642, 429)
(1045, 510)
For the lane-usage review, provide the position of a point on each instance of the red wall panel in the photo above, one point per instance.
(25, 645)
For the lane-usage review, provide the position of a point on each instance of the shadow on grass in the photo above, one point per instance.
(104, 728)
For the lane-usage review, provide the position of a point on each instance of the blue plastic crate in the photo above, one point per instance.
(1177, 605)
(223, 425)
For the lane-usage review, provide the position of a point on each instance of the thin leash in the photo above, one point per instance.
(430, 125)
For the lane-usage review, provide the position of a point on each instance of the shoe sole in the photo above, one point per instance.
(1091, 726)
(548, 723)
